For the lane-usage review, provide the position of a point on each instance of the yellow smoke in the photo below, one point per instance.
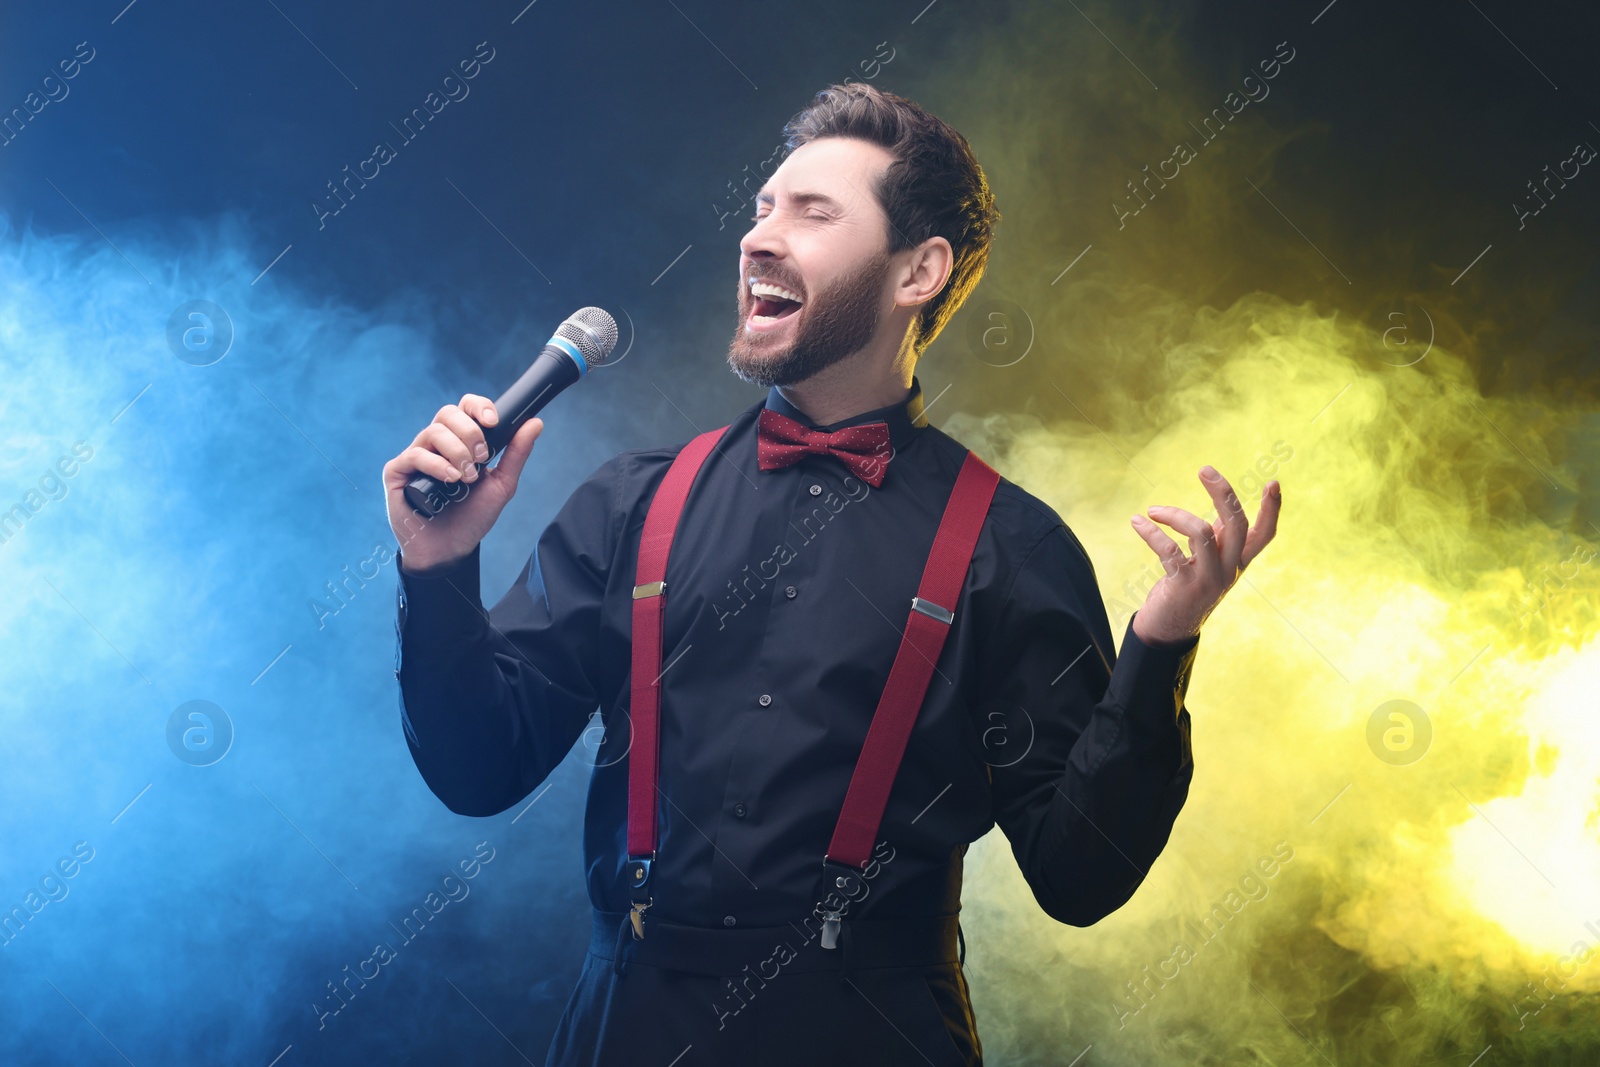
(1407, 567)
(1432, 588)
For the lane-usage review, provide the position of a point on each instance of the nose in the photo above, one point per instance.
(764, 240)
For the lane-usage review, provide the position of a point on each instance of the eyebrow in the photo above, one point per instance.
(764, 197)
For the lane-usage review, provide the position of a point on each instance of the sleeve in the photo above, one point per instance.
(1091, 803)
(492, 702)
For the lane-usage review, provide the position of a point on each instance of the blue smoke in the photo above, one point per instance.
(219, 888)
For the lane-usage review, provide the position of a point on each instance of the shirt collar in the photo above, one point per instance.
(904, 419)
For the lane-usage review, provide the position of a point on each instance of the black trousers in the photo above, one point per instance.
(891, 993)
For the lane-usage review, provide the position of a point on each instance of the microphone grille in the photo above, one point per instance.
(593, 332)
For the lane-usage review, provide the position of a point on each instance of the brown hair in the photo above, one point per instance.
(934, 187)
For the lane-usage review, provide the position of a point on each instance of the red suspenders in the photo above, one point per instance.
(927, 624)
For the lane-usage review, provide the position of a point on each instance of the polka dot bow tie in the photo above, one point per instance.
(864, 448)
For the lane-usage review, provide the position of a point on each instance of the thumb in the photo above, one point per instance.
(517, 452)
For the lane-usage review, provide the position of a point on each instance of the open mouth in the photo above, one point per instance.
(771, 303)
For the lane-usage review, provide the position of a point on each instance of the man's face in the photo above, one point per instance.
(820, 237)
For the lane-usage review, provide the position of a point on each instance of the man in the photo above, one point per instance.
(781, 639)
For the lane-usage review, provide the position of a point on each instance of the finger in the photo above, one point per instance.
(1266, 524)
(1165, 547)
(1231, 526)
(444, 441)
(1202, 538)
(480, 408)
(466, 428)
(417, 460)
(517, 452)
(438, 416)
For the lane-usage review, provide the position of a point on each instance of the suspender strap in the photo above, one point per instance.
(649, 605)
(932, 610)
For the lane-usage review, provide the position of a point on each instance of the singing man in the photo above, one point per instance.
(830, 648)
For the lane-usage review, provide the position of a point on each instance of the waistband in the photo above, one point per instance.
(769, 950)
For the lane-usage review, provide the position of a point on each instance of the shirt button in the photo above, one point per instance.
(764, 699)
(739, 810)
(728, 920)
(816, 490)
(790, 591)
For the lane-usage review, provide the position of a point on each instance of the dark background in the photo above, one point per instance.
(593, 153)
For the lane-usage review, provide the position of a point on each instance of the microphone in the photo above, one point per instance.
(584, 340)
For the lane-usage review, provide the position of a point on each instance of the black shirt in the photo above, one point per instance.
(787, 593)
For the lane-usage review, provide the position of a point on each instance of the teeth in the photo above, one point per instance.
(759, 288)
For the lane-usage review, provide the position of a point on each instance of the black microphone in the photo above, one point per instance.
(584, 340)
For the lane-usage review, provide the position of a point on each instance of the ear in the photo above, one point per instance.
(926, 269)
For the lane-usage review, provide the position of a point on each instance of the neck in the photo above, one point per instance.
(852, 386)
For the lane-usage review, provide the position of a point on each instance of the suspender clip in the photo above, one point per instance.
(649, 589)
(838, 885)
(830, 929)
(928, 608)
(639, 870)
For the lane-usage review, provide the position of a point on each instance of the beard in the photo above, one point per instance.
(832, 326)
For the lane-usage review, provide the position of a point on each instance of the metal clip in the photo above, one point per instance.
(639, 884)
(932, 610)
(830, 928)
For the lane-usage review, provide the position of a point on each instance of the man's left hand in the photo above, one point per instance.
(1179, 602)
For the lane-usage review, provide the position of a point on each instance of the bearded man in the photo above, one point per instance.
(802, 632)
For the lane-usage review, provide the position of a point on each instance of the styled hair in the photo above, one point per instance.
(933, 188)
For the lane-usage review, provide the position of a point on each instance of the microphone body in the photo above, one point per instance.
(566, 359)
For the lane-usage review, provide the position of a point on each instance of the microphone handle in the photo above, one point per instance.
(551, 371)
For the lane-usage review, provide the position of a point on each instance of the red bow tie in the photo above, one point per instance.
(864, 448)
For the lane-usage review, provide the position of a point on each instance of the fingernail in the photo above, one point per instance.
(482, 451)
(1208, 471)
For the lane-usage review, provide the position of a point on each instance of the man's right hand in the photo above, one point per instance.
(449, 448)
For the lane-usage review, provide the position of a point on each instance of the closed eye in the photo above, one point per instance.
(813, 218)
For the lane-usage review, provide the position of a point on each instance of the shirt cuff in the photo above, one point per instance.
(1151, 676)
(445, 599)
